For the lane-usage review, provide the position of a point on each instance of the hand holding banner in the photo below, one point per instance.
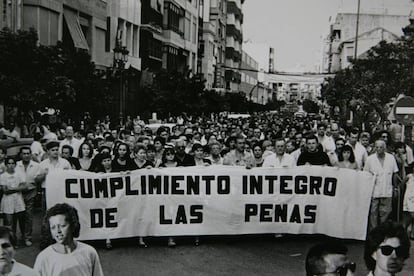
(216, 200)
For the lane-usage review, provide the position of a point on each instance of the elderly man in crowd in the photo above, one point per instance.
(384, 167)
(279, 159)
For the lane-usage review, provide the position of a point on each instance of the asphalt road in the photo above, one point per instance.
(231, 255)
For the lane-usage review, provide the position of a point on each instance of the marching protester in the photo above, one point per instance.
(386, 248)
(29, 169)
(329, 258)
(71, 140)
(140, 160)
(85, 156)
(12, 204)
(408, 206)
(66, 153)
(279, 159)
(122, 161)
(53, 162)
(66, 256)
(3, 154)
(346, 158)
(8, 265)
(199, 159)
(238, 156)
(384, 167)
(313, 154)
(257, 155)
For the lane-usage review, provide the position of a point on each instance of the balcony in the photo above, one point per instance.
(234, 8)
(231, 30)
(150, 16)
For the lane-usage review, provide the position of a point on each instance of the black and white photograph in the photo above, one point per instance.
(206, 137)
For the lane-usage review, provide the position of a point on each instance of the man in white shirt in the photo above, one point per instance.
(71, 141)
(384, 167)
(53, 162)
(279, 159)
(327, 142)
(360, 152)
(29, 169)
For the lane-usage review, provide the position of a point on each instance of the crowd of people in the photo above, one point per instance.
(263, 139)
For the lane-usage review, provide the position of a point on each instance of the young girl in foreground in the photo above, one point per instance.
(66, 256)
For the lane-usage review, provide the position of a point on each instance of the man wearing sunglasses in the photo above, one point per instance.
(329, 258)
(386, 249)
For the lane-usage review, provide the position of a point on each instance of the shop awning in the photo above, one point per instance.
(75, 30)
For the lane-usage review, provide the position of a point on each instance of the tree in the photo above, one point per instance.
(33, 77)
(310, 106)
(370, 82)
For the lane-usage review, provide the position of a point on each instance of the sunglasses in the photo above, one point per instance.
(387, 250)
(343, 270)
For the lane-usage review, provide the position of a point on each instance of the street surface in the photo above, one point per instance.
(232, 255)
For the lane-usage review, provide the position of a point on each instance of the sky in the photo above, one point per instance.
(295, 28)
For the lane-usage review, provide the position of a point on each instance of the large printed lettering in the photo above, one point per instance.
(216, 200)
(287, 184)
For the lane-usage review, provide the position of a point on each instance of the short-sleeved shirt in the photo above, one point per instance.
(287, 161)
(46, 165)
(29, 173)
(383, 174)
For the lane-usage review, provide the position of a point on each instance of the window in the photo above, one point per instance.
(187, 26)
(194, 30)
(174, 14)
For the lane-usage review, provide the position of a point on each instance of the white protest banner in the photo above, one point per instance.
(216, 200)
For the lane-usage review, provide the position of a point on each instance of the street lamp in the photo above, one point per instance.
(120, 59)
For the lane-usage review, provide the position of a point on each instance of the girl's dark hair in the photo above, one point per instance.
(80, 154)
(71, 217)
(164, 154)
(128, 152)
(346, 148)
(159, 139)
(386, 230)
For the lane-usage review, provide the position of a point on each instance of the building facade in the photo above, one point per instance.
(339, 45)
(213, 43)
(180, 35)
(234, 39)
(249, 77)
(124, 19)
(82, 24)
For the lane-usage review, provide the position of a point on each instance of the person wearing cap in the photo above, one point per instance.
(53, 162)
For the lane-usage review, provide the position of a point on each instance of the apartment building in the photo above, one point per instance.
(234, 39)
(339, 45)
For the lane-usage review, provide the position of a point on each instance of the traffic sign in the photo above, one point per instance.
(404, 111)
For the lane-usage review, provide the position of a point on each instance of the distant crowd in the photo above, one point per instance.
(259, 140)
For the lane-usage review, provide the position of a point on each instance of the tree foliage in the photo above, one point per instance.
(33, 76)
(175, 93)
(371, 81)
